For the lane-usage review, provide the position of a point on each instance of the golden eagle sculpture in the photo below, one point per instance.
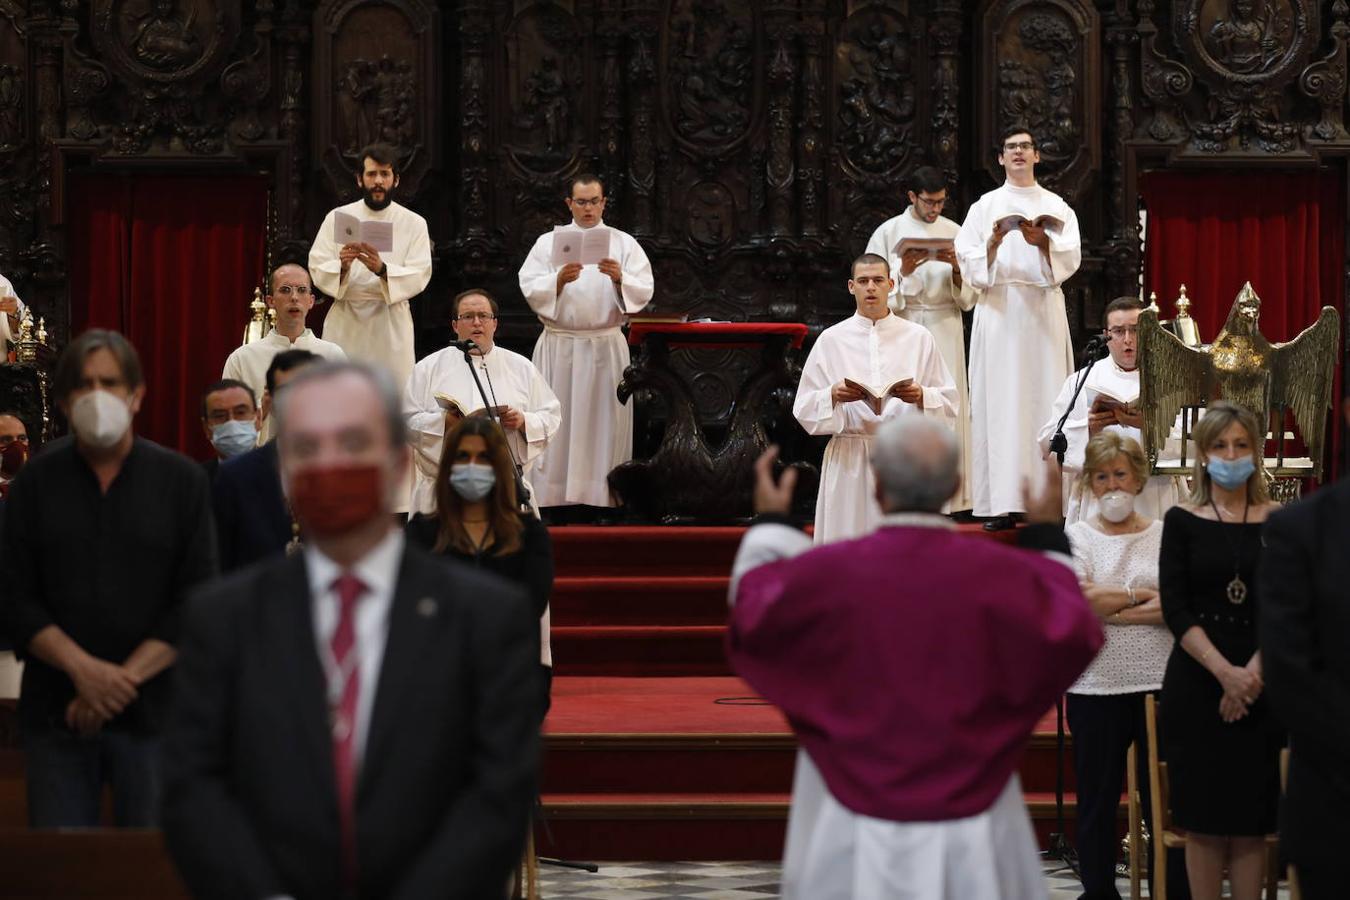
(1242, 367)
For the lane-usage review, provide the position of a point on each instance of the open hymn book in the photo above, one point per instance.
(1102, 400)
(931, 246)
(875, 396)
(1015, 221)
(348, 229)
(450, 404)
(587, 246)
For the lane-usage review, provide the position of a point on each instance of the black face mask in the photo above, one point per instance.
(12, 458)
(372, 203)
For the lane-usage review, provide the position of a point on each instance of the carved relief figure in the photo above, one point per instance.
(545, 107)
(1250, 38)
(1043, 93)
(11, 106)
(710, 214)
(877, 98)
(711, 72)
(162, 40)
(376, 102)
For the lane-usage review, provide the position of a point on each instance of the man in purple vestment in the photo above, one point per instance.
(913, 664)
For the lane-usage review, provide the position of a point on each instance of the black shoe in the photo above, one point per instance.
(1001, 523)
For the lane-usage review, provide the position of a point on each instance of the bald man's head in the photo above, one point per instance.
(917, 465)
(292, 296)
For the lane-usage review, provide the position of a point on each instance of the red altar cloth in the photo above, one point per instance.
(716, 334)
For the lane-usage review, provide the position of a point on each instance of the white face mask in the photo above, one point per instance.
(100, 419)
(1116, 506)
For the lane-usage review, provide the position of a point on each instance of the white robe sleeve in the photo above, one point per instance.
(539, 280)
(940, 397)
(407, 279)
(638, 285)
(324, 266)
(972, 250)
(1066, 248)
(816, 411)
(6, 332)
(542, 416)
(425, 418)
(1075, 426)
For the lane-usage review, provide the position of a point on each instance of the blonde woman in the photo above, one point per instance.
(1115, 552)
(1221, 743)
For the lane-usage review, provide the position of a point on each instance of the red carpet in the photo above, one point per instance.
(642, 762)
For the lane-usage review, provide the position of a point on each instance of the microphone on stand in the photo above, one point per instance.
(466, 346)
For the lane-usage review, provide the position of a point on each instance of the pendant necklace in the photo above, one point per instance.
(1237, 588)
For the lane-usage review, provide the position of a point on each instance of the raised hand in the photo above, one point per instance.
(773, 496)
(568, 274)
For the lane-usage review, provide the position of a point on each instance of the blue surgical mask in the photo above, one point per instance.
(234, 437)
(472, 481)
(1230, 474)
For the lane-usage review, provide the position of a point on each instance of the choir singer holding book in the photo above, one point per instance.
(581, 280)
(865, 370)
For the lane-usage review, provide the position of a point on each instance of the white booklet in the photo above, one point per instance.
(579, 245)
(348, 229)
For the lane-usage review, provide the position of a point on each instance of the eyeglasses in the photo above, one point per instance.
(931, 204)
(1121, 331)
(298, 290)
(7, 439)
(1020, 145)
(475, 317)
(583, 203)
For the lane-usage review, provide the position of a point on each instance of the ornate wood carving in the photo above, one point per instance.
(945, 35)
(1042, 71)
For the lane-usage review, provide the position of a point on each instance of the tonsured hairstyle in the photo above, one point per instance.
(226, 384)
(1103, 449)
(284, 362)
(272, 279)
(472, 292)
(70, 368)
(503, 518)
(868, 259)
(1218, 416)
(383, 153)
(585, 178)
(1010, 130)
(1125, 303)
(917, 464)
(391, 404)
(927, 180)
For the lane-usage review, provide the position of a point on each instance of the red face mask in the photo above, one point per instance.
(333, 500)
(12, 458)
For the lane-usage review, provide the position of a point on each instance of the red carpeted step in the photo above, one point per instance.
(640, 600)
(644, 550)
(651, 650)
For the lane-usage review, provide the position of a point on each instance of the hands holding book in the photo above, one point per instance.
(849, 390)
(1106, 411)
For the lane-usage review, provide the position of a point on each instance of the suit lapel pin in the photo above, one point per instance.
(426, 607)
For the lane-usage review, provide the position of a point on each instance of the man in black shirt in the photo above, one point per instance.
(106, 533)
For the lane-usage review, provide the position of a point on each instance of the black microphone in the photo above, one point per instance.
(466, 346)
(1097, 348)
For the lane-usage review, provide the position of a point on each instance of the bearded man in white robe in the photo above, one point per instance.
(371, 319)
(929, 291)
(442, 389)
(900, 362)
(1108, 402)
(582, 352)
(1019, 243)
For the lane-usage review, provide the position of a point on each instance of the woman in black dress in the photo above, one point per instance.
(478, 520)
(1221, 744)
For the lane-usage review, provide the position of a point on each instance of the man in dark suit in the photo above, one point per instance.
(252, 520)
(360, 719)
(1305, 653)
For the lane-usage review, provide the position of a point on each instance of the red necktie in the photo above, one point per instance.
(349, 589)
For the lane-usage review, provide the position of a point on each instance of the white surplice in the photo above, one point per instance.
(248, 362)
(6, 334)
(1161, 492)
(1019, 346)
(582, 354)
(509, 379)
(872, 353)
(928, 297)
(370, 318)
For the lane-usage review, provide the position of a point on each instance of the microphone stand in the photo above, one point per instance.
(1059, 445)
(522, 493)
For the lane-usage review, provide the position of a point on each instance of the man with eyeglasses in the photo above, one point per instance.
(895, 359)
(1108, 402)
(442, 390)
(582, 352)
(929, 291)
(1019, 243)
(292, 296)
(371, 318)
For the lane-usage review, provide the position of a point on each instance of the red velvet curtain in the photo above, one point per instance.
(171, 262)
(1282, 231)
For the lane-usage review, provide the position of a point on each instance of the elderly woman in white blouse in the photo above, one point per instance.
(1115, 553)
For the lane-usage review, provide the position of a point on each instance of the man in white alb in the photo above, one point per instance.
(901, 364)
(529, 412)
(929, 291)
(372, 287)
(291, 295)
(1019, 243)
(582, 352)
(11, 311)
(1108, 401)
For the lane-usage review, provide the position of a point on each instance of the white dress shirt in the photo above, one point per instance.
(378, 571)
